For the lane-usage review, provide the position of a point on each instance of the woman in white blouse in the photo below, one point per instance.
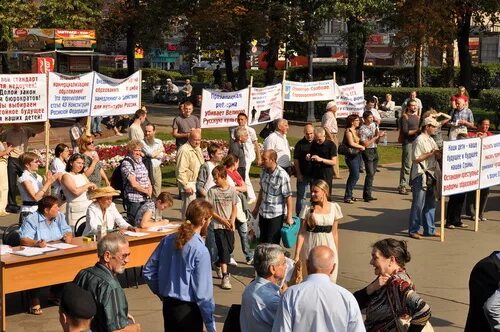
(58, 167)
(103, 212)
(32, 186)
(75, 186)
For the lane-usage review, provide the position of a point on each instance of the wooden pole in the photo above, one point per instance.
(476, 210)
(283, 91)
(443, 198)
(249, 98)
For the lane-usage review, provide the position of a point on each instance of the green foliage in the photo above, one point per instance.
(490, 100)
(70, 14)
(15, 14)
(205, 76)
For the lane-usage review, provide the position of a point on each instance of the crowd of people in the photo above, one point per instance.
(216, 196)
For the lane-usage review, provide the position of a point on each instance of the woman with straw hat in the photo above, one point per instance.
(103, 212)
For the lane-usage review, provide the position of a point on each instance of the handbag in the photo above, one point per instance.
(430, 179)
(289, 233)
(403, 322)
(346, 150)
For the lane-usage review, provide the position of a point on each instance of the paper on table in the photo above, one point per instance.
(5, 249)
(164, 228)
(61, 245)
(32, 251)
(136, 234)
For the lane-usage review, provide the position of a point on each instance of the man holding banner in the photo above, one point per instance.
(424, 169)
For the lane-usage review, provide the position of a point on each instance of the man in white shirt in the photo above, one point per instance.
(103, 212)
(278, 142)
(317, 304)
(413, 96)
(262, 296)
(252, 152)
(153, 148)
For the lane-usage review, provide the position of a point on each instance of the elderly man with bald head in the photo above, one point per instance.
(274, 202)
(189, 160)
(317, 304)
(278, 142)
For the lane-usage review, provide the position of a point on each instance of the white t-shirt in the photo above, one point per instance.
(278, 142)
(57, 166)
(37, 184)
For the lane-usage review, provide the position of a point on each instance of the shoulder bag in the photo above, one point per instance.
(346, 150)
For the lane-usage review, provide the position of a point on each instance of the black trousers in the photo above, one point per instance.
(454, 209)
(14, 170)
(370, 158)
(470, 202)
(270, 229)
(181, 316)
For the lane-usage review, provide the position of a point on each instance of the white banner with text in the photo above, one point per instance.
(490, 161)
(70, 96)
(23, 98)
(266, 104)
(350, 99)
(309, 91)
(220, 109)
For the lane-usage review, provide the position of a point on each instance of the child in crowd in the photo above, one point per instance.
(223, 198)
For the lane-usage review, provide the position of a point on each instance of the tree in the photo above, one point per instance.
(361, 17)
(14, 14)
(70, 14)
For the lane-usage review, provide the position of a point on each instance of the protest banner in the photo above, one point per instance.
(350, 99)
(308, 91)
(70, 96)
(266, 104)
(23, 98)
(220, 109)
(116, 96)
(490, 161)
(461, 165)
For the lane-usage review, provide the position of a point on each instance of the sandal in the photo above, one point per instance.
(354, 199)
(36, 310)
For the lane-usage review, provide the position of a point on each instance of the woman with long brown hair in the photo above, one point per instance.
(353, 160)
(319, 226)
(179, 272)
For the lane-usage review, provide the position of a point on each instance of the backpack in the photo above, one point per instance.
(116, 180)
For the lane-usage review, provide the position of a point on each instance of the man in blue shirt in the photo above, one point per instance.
(262, 296)
(317, 304)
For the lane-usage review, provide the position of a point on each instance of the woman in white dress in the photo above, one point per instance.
(75, 186)
(32, 186)
(319, 226)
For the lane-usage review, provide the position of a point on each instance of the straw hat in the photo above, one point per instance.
(104, 192)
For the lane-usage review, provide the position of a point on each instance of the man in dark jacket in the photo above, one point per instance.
(483, 282)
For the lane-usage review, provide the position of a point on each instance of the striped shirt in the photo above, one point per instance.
(275, 188)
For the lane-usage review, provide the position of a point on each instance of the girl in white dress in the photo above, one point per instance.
(319, 226)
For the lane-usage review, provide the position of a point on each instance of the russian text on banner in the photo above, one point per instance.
(350, 99)
(220, 109)
(116, 96)
(461, 165)
(23, 98)
(70, 96)
(266, 104)
(309, 91)
(490, 161)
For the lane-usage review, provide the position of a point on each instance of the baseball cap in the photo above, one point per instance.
(431, 121)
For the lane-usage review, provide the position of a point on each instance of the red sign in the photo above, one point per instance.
(44, 65)
(171, 47)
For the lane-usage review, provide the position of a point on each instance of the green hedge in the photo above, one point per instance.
(490, 100)
(437, 98)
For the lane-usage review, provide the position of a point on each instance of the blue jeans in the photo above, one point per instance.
(303, 187)
(423, 208)
(353, 162)
(96, 124)
(370, 158)
(210, 243)
(242, 229)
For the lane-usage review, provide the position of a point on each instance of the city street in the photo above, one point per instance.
(440, 271)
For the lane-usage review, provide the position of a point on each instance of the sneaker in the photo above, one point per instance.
(225, 283)
(483, 219)
(402, 191)
(250, 261)
(462, 225)
(233, 262)
(450, 226)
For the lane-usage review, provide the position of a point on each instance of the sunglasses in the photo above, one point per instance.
(90, 143)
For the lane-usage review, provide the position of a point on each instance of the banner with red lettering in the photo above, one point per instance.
(113, 96)
(461, 165)
(23, 98)
(220, 109)
(266, 104)
(350, 99)
(70, 96)
(490, 161)
(309, 91)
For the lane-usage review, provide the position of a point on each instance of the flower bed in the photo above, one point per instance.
(111, 155)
